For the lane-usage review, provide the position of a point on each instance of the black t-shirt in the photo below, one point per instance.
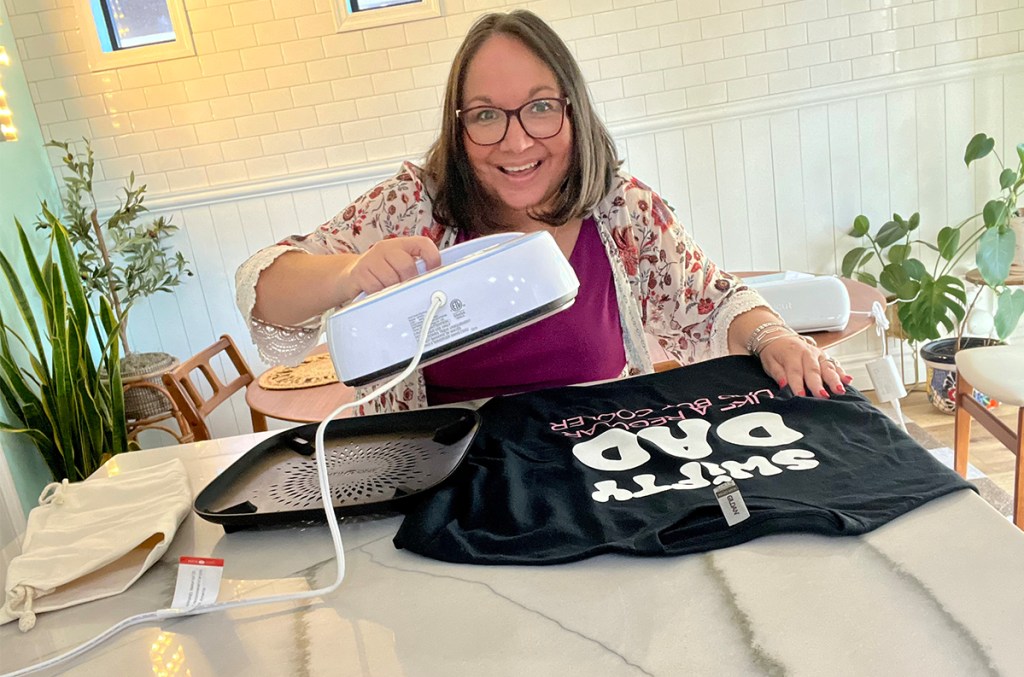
(630, 467)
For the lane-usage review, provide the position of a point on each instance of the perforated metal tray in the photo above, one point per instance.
(375, 464)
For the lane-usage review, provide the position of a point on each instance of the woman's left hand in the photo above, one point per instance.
(792, 361)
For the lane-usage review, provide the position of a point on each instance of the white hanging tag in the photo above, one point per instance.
(731, 502)
(198, 582)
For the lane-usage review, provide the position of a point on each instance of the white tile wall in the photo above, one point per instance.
(265, 67)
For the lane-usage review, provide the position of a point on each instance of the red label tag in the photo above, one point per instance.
(202, 561)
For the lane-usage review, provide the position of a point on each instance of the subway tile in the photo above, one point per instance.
(660, 58)
(227, 107)
(177, 137)
(251, 12)
(275, 32)
(913, 15)
(227, 173)
(202, 89)
(190, 113)
(254, 58)
(187, 179)
(639, 41)
(706, 95)
(870, 22)
(210, 18)
(215, 131)
(295, 119)
(42, 69)
(178, 70)
(645, 83)
(737, 5)
(320, 137)
(443, 50)
(789, 81)
(703, 51)
(237, 37)
(413, 55)
(272, 100)
(656, 14)
(393, 81)
(344, 44)
(26, 25)
(264, 167)
(679, 33)
(284, 9)
(376, 106)
(1012, 20)
(977, 26)
(255, 125)
(135, 143)
(401, 124)
(913, 59)
(721, 25)
(312, 94)
(828, 29)
(806, 11)
(986, 6)
(425, 31)
(996, 45)
(890, 41)
(764, 18)
(842, 7)
(831, 73)
(240, 149)
(345, 154)
(768, 62)
(144, 75)
(872, 66)
(162, 161)
(57, 89)
(315, 26)
(956, 52)
(280, 143)
(417, 99)
(573, 28)
(726, 69)
(850, 48)
(108, 125)
(327, 70)
(583, 7)
(243, 83)
(747, 88)
(788, 36)
(161, 95)
(669, 101)
(286, 76)
(619, 66)
(696, 9)
(75, 129)
(220, 63)
(360, 130)
(50, 112)
(349, 89)
(954, 9)
(625, 109)
(687, 76)
(368, 62)
(385, 148)
(931, 34)
(808, 55)
(84, 107)
(333, 113)
(46, 44)
(151, 118)
(303, 51)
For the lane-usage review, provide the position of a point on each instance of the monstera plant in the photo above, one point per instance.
(929, 293)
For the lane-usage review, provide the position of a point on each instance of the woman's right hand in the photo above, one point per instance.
(387, 263)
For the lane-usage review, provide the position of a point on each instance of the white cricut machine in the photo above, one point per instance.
(492, 285)
(806, 302)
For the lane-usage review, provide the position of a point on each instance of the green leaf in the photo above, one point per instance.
(1020, 152)
(915, 220)
(1008, 312)
(949, 241)
(978, 147)
(895, 279)
(1006, 178)
(853, 260)
(861, 226)
(899, 252)
(915, 269)
(866, 278)
(995, 254)
(890, 233)
(995, 213)
(940, 305)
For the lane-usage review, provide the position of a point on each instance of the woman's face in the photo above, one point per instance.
(520, 171)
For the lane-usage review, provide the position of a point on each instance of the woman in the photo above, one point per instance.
(521, 149)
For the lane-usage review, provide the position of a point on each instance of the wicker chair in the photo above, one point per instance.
(192, 403)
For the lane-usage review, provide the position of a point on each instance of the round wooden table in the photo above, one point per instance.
(301, 405)
(311, 405)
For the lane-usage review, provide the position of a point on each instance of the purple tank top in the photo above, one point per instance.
(578, 345)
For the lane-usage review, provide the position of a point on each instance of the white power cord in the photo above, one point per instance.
(437, 300)
(882, 371)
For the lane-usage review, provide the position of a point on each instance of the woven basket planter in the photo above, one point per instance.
(142, 403)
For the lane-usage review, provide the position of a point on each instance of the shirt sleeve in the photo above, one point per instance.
(398, 207)
(687, 301)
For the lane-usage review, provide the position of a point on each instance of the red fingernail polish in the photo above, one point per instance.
(823, 392)
(840, 389)
(847, 379)
(782, 383)
(800, 393)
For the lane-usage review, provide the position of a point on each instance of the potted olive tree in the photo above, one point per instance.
(929, 293)
(123, 260)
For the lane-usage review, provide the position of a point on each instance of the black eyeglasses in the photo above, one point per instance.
(488, 125)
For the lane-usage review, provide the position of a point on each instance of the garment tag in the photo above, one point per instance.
(731, 502)
(198, 582)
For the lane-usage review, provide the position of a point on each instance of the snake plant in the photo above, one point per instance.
(60, 374)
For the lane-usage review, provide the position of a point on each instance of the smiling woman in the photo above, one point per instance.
(521, 149)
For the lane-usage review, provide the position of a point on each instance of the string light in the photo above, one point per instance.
(8, 132)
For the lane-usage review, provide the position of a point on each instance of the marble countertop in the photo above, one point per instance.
(940, 591)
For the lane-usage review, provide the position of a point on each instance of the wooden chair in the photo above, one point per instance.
(997, 371)
(194, 406)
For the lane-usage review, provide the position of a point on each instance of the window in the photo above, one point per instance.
(354, 15)
(129, 32)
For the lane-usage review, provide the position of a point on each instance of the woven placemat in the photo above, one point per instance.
(315, 370)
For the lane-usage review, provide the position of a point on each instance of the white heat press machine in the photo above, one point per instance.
(805, 302)
(491, 285)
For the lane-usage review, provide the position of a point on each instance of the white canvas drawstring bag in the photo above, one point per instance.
(93, 539)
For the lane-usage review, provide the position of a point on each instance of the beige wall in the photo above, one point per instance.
(274, 91)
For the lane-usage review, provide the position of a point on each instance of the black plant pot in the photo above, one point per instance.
(939, 356)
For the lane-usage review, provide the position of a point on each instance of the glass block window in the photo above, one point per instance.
(134, 23)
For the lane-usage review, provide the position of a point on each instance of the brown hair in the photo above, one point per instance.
(459, 200)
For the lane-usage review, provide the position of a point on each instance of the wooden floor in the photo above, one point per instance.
(987, 454)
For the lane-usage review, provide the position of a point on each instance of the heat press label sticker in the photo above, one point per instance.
(731, 501)
(198, 582)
